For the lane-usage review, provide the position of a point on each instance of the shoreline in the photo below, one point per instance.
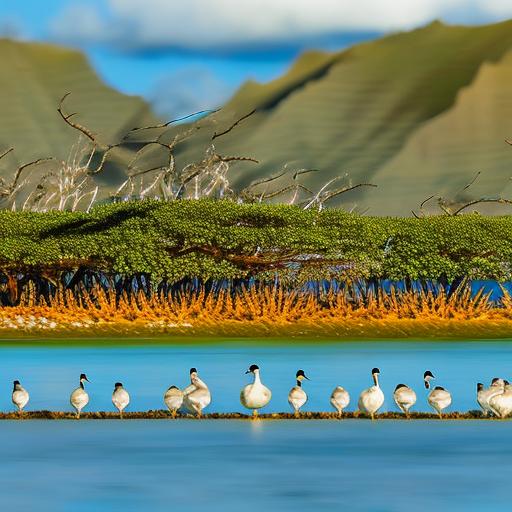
(331, 330)
(164, 415)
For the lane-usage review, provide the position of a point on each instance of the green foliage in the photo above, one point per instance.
(222, 239)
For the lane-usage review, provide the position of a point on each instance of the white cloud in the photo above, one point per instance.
(203, 24)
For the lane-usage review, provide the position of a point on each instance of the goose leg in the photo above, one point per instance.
(255, 413)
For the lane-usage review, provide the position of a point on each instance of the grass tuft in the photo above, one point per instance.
(261, 312)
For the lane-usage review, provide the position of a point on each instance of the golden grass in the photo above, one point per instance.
(262, 312)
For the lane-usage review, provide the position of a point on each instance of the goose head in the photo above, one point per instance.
(427, 377)
(118, 385)
(16, 384)
(254, 368)
(375, 376)
(300, 376)
(479, 387)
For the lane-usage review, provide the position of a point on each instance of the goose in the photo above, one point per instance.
(438, 398)
(404, 397)
(501, 402)
(340, 399)
(173, 399)
(297, 396)
(120, 398)
(371, 399)
(79, 398)
(20, 396)
(255, 396)
(483, 395)
(196, 396)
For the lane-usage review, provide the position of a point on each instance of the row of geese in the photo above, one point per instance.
(495, 399)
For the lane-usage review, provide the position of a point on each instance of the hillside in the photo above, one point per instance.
(416, 113)
(34, 77)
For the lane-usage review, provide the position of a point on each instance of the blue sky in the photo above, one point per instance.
(193, 54)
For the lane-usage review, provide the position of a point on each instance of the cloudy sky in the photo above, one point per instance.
(193, 54)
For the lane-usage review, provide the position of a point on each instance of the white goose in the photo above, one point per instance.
(196, 396)
(120, 398)
(439, 399)
(297, 396)
(20, 396)
(404, 397)
(371, 399)
(483, 394)
(255, 396)
(173, 399)
(340, 399)
(79, 398)
(501, 403)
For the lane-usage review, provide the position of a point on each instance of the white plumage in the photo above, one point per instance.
(372, 399)
(297, 397)
(196, 396)
(79, 398)
(501, 403)
(255, 396)
(340, 399)
(404, 397)
(439, 399)
(20, 396)
(120, 398)
(173, 399)
(483, 395)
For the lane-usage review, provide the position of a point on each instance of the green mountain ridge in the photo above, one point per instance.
(416, 113)
(356, 111)
(34, 77)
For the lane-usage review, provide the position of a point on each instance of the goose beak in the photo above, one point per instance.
(307, 378)
(248, 371)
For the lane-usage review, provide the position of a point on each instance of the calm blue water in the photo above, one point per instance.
(238, 466)
(51, 373)
(234, 466)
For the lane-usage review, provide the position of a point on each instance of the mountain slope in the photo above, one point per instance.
(356, 110)
(34, 77)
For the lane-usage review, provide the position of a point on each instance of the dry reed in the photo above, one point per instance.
(265, 311)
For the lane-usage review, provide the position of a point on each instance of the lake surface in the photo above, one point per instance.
(51, 373)
(234, 465)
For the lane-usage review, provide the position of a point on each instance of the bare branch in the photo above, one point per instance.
(168, 123)
(425, 201)
(6, 152)
(304, 171)
(472, 181)
(347, 189)
(238, 159)
(24, 166)
(236, 123)
(499, 200)
(76, 126)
